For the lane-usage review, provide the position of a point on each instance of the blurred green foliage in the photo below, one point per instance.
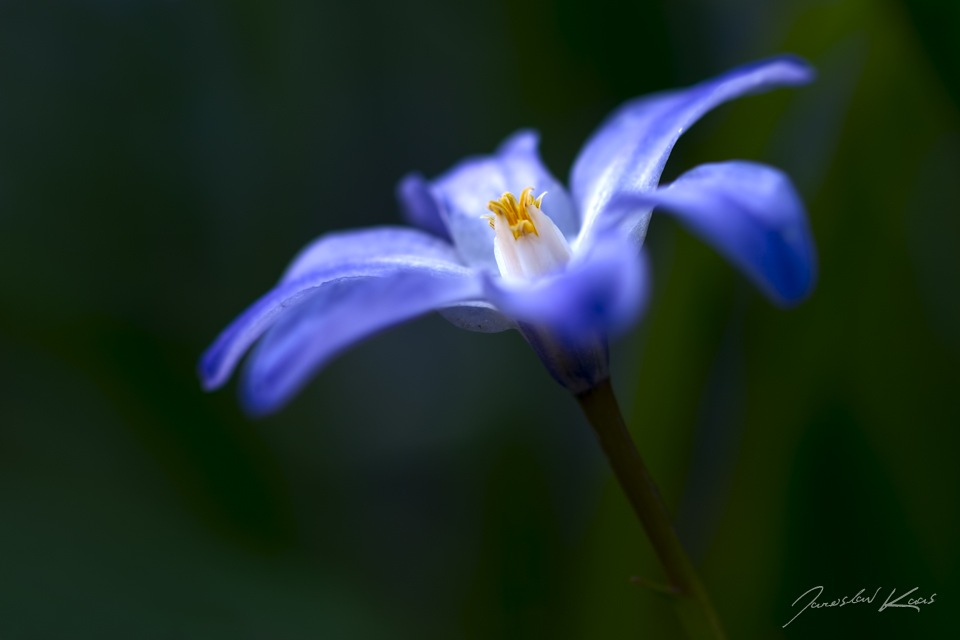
(159, 164)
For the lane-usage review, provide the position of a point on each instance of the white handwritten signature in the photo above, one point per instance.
(912, 603)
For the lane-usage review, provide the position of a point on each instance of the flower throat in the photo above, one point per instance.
(527, 242)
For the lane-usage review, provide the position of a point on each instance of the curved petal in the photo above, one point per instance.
(751, 214)
(601, 292)
(219, 360)
(375, 242)
(341, 313)
(628, 151)
(419, 207)
(464, 191)
(476, 315)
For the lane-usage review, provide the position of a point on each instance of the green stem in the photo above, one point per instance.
(692, 603)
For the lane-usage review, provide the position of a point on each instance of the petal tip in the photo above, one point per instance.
(208, 384)
(526, 139)
(210, 377)
(801, 72)
(794, 297)
(418, 206)
(259, 400)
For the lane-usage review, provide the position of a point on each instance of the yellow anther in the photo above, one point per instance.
(526, 197)
(515, 212)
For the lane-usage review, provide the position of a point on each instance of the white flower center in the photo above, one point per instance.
(527, 243)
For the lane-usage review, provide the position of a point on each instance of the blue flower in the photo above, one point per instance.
(564, 268)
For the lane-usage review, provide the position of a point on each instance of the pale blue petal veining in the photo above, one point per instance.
(341, 313)
(220, 359)
(355, 245)
(751, 214)
(628, 151)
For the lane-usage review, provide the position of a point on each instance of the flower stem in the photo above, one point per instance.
(691, 601)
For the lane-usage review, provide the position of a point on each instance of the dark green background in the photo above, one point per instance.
(161, 161)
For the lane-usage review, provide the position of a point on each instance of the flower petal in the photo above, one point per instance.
(628, 152)
(341, 313)
(219, 360)
(751, 214)
(602, 291)
(419, 207)
(476, 315)
(374, 242)
(464, 191)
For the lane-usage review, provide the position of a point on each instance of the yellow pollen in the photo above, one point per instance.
(515, 211)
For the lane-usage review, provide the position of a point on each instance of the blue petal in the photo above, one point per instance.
(603, 291)
(751, 214)
(628, 152)
(375, 242)
(419, 207)
(465, 190)
(341, 313)
(218, 362)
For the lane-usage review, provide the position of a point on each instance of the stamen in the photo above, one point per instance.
(515, 211)
(525, 197)
(527, 243)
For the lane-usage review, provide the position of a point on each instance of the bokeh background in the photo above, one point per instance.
(161, 161)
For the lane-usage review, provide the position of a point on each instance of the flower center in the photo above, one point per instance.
(527, 243)
(515, 212)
